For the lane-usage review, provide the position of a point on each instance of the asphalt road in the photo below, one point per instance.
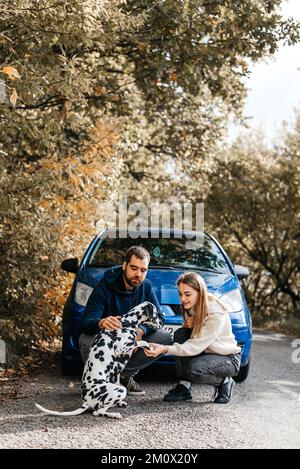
(264, 411)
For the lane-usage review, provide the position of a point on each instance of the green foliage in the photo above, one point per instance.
(47, 213)
(180, 63)
(256, 212)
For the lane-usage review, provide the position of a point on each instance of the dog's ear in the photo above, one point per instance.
(149, 309)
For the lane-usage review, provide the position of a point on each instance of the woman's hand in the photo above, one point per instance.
(157, 349)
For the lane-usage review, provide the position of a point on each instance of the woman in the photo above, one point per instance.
(205, 348)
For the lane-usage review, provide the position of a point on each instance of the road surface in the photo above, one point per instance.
(264, 411)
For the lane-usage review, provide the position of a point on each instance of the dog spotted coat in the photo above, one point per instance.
(108, 356)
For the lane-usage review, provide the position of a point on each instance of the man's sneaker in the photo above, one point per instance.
(179, 393)
(224, 392)
(133, 388)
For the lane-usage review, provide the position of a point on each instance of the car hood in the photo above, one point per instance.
(164, 282)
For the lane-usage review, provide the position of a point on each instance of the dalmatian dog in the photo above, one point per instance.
(109, 353)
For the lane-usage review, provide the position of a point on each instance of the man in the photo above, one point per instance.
(120, 289)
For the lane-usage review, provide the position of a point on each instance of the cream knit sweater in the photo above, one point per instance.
(215, 336)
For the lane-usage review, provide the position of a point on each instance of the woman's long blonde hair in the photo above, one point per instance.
(200, 310)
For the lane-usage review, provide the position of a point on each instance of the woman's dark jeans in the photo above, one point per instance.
(205, 368)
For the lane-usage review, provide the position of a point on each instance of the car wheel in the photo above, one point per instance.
(70, 367)
(243, 373)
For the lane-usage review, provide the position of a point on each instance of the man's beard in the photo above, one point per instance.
(130, 280)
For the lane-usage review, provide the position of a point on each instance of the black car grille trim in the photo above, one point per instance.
(177, 309)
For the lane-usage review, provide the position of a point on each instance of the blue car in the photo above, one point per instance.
(169, 257)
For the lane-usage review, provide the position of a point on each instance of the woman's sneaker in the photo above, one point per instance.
(224, 392)
(133, 388)
(179, 393)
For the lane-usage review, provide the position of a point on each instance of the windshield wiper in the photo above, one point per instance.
(172, 267)
(162, 266)
(207, 270)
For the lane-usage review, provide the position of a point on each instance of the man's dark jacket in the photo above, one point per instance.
(111, 298)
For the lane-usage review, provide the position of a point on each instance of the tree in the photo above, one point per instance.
(257, 211)
(65, 64)
(189, 63)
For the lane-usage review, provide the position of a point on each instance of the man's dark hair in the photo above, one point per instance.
(137, 251)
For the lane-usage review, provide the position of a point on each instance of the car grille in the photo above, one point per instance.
(177, 309)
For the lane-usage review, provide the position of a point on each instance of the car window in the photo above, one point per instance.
(171, 252)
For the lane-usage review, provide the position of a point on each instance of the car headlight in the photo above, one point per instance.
(82, 293)
(233, 300)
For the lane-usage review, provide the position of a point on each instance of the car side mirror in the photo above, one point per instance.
(70, 265)
(241, 271)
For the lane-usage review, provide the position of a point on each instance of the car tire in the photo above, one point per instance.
(243, 373)
(70, 367)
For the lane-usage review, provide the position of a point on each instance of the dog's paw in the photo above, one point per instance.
(143, 344)
(113, 415)
(122, 404)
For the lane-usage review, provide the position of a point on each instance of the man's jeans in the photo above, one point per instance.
(138, 360)
(205, 368)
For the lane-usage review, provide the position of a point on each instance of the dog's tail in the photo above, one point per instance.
(81, 409)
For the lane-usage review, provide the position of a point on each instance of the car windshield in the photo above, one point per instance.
(182, 253)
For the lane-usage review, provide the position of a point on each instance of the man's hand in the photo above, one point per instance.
(111, 323)
(139, 334)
